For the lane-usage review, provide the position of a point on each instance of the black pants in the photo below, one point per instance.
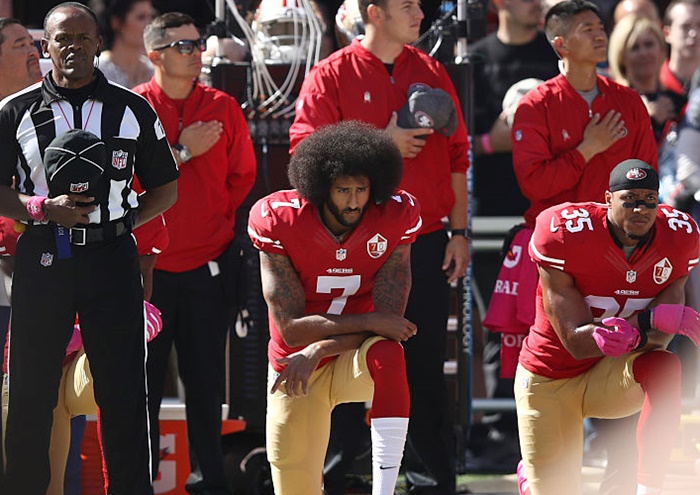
(430, 458)
(102, 283)
(195, 318)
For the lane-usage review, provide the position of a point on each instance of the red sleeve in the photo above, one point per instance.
(152, 237)
(540, 174)
(264, 226)
(8, 237)
(241, 157)
(410, 214)
(316, 105)
(548, 238)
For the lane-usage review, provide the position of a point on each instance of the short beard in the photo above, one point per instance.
(337, 214)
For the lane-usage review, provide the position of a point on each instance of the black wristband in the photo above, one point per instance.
(644, 324)
(644, 321)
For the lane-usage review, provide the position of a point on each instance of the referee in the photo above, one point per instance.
(72, 144)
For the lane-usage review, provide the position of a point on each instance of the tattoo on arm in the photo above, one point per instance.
(282, 288)
(393, 282)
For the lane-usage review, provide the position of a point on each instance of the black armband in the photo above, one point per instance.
(644, 324)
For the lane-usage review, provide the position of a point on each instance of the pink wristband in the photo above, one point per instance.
(486, 144)
(35, 208)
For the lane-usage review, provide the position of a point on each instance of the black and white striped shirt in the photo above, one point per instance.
(134, 138)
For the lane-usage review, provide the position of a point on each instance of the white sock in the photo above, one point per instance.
(388, 440)
(647, 490)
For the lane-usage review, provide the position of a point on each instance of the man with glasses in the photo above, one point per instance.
(74, 144)
(192, 280)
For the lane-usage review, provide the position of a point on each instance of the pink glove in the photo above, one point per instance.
(154, 324)
(76, 341)
(615, 343)
(677, 319)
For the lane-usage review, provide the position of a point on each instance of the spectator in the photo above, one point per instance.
(369, 81)
(76, 254)
(573, 365)
(682, 32)
(516, 51)
(124, 59)
(193, 283)
(326, 347)
(637, 51)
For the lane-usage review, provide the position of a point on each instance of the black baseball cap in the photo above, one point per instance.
(75, 162)
(633, 174)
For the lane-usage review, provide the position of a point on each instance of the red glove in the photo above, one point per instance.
(677, 319)
(154, 323)
(615, 343)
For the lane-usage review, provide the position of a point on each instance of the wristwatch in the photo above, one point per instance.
(463, 232)
(183, 152)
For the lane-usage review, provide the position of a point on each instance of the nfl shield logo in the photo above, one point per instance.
(119, 158)
(46, 259)
(662, 270)
(79, 187)
(631, 276)
(341, 254)
(376, 246)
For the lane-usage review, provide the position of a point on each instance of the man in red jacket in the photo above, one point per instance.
(369, 81)
(209, 137)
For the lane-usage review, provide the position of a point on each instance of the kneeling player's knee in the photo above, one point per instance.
(657, 367)
(386, 355)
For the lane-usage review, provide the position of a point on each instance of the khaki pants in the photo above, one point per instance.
(75, 398)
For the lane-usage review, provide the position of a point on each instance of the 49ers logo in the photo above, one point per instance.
(636, 174)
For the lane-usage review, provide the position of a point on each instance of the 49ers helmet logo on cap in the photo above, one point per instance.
(636, 174)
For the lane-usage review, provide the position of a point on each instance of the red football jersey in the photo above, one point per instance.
(574, 237)
(338, 277)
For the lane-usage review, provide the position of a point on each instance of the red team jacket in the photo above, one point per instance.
(212, 186)
(353, 84)
(574, 238)
(549, 124)
(337, 277)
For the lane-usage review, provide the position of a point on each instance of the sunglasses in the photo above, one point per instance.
(186, 47)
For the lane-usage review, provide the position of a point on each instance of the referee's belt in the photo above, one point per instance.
(80, 236)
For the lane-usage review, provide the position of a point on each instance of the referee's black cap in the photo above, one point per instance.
(75, 162)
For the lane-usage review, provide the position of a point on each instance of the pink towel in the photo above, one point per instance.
(511, 309)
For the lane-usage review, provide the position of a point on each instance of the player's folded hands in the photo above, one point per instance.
(677, 319)
(623, 339)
